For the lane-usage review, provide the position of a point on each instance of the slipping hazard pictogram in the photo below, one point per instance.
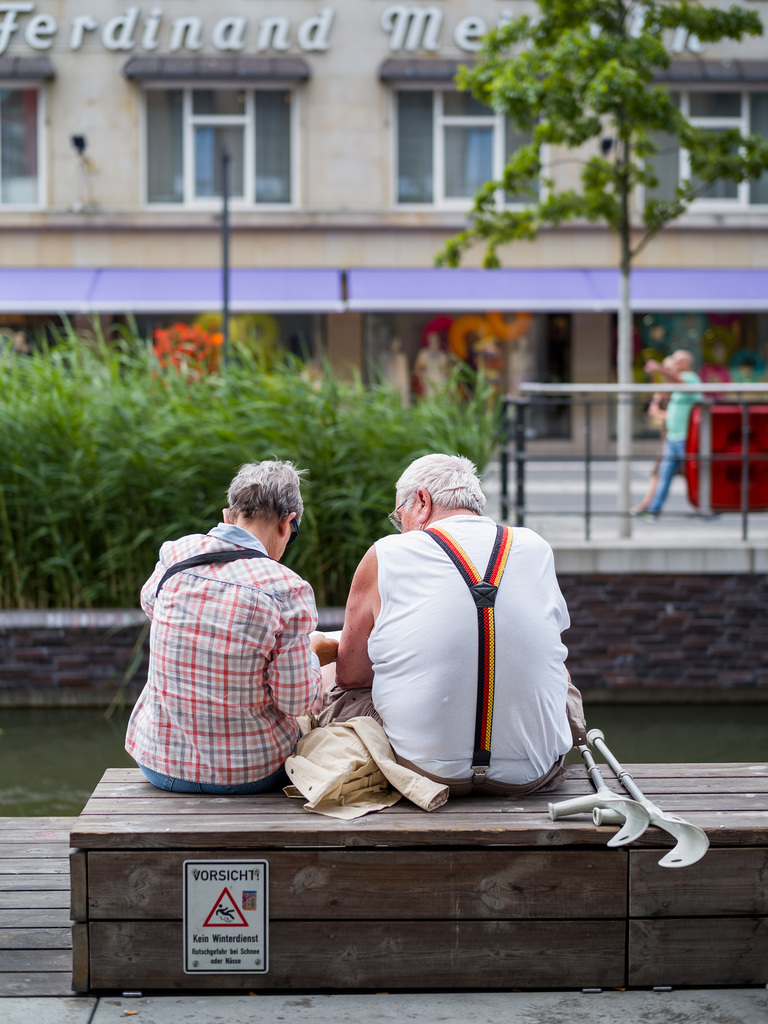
(225, 913)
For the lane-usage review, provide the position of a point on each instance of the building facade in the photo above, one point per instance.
(350, 159)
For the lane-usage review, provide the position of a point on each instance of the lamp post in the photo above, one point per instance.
(225, 253)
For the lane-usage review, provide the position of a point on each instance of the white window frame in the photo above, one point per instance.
(440, 121)
(21, 85)
(740, 202)
(741, 199)
(248, 120)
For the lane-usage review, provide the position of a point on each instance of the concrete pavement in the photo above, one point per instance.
(703, 1006)
(555, 504)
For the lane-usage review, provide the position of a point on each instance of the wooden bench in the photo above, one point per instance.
(484, 893)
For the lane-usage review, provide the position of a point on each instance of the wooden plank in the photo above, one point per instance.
(35, 829)
(11, 851)
(724, 828)
(672, 802)
(160, 801)
(35, 960)
(119, 782)
(685, 770)
(724, 882)
(30, 985)
(379, 884)
(698, 951)
(757, 782)
(31, 937)
(78, 873)
(34, 866)
(639, 769)
(80, 958)
(34, 883)
(36, 917)
(39, 899)
(359, 955)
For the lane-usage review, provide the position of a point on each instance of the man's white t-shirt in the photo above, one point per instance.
(423, 648)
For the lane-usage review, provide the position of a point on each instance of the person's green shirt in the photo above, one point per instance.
(679, 408)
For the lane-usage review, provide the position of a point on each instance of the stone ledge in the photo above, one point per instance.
(112, 618)
(660, 556)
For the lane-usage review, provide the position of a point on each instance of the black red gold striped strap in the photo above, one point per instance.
(483, 590)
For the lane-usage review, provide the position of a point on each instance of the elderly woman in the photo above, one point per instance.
(232, 662)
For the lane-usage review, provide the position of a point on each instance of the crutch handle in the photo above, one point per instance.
(606, 816)
(576, 805)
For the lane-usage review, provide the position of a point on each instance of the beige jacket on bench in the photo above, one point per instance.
(348, 769)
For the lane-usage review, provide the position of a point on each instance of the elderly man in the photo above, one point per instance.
(456, 626)
(676, 369)
(231, 662)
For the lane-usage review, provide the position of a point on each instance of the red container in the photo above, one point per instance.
(727, 462)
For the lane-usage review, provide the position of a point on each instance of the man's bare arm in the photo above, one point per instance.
(353, 666)
(670, 375)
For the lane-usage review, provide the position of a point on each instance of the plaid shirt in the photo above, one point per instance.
(229, 667)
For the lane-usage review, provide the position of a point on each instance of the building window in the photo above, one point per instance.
(186, 130)
(714, 111)
(448, 145)
(19, 175)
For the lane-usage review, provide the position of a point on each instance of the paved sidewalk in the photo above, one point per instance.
(555, 505)
(707, 1006)
(731, 1006)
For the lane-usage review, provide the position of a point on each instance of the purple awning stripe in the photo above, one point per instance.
(168, 290)
(56, 290)
(45, 290)
(556, 290)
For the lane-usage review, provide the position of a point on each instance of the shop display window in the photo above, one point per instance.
(19, 175)
(716, 111)
(448, 146)
(415, 353)
(186, 130)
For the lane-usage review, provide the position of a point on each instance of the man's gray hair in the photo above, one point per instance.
(451, 480)
(266, 490)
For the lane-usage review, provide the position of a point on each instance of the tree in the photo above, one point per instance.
(581, 74)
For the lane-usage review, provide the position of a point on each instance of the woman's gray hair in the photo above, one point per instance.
(266, 490)
(451, 480)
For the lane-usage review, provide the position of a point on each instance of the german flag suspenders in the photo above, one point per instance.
(483, 590)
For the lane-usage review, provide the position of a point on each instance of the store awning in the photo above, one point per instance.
(55, 290)
(26, 69)
(420, 69)
(695, 70)
(555, 290)
(243, 68)
(168, 290)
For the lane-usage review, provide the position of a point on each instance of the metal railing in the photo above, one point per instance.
(583, 399)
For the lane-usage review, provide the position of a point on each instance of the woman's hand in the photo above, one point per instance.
(324, 647)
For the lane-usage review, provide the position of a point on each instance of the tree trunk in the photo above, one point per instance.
(624, 408)
(624, 358)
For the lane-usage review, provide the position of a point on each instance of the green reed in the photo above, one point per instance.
(105, 455)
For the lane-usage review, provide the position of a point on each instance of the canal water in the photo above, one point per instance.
(51, 760)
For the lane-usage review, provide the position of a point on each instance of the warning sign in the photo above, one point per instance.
(224, 913)
(225, 916)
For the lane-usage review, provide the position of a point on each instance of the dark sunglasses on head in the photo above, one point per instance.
(294, 532)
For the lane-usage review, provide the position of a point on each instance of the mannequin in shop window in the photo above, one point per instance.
(431, 368)
(396, 373)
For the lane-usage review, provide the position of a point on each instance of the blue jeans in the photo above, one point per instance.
(671, 461)
(276, 780)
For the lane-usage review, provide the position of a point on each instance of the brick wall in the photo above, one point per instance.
(628, 631)
(68, 657)
(692, 631)
(76, 657)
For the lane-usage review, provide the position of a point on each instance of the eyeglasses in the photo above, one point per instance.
(394, 517)
(294, 532)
